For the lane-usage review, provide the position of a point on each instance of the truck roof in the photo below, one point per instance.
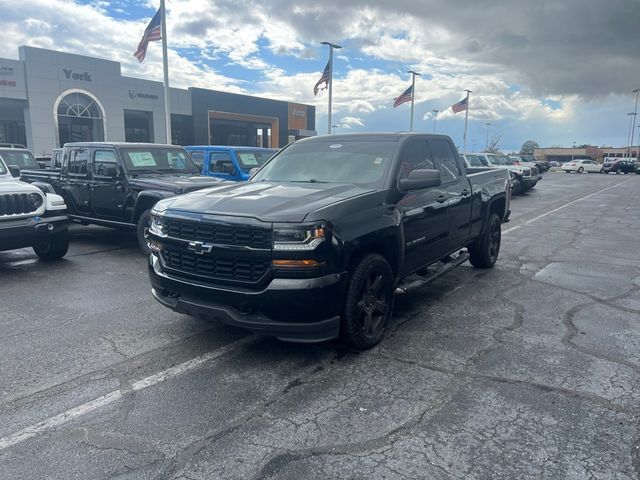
(119, 144)
(380, 136)
(229, 147)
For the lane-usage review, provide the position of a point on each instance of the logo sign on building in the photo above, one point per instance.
(297, 116)
(6, 71)
(134, 94)
(71, 75)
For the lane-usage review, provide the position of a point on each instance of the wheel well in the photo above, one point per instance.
(498, 206)
(386, 247)
(141, 205)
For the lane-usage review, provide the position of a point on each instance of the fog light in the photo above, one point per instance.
(155, 246)
(50, 227)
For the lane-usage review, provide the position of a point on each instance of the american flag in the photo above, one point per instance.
(152, 33)
(325, 78)
(406, 96)
(461, 106)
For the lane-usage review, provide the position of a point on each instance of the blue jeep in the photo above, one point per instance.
(229, 163)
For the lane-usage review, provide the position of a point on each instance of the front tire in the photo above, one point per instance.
(618, 171)
(368, 306)
(142, 231)
(53, 247)
(483, 253)
(580, 170)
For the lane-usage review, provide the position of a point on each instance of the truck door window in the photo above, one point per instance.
(416, 156)
(446, 159)
(105, 163)
(198, 158)
(221, 163)
(78, 162)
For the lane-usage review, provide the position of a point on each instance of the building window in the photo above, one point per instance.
(80, 119)
(138, 126)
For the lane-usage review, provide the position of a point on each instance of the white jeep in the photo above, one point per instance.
(31, 218)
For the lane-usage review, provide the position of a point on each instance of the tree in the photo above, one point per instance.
(494, 145)
(528, 147)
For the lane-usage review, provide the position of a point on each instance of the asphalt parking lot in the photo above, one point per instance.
(529, 370)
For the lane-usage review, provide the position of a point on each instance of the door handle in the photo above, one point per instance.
(441, 198)
(465, 193)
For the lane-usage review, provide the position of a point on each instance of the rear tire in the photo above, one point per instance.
(53, 247)
(483, 253)
(368, 305)
(142, 231)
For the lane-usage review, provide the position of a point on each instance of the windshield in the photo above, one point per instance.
(158, 160)
(345, 161)
(20, 158)
(475, 160)
(254, 158)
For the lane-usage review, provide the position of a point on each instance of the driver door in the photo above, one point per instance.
(424, 212)
(108, 188)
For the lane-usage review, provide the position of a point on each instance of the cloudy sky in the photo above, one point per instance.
(556, 71)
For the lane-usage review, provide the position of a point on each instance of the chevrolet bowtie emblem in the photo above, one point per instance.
(200, 248)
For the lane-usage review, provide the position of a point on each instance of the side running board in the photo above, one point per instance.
(434, 274)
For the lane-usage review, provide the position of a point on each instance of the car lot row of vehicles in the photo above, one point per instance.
(524, 173)
(314, 246)
(610, 165)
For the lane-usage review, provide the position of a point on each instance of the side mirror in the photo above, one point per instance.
(14, 170)
(419, 179)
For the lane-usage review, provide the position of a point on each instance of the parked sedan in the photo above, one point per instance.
(619, 166)
(581, 165)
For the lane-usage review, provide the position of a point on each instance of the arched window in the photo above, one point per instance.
(80, 119)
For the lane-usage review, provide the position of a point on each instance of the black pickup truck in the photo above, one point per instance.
(117, 184)
(320, 239)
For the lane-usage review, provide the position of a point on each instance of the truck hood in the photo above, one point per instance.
(176, 184)
(9, 184)
(275, 202)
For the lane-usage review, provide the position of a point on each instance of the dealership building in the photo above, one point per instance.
(49, 98)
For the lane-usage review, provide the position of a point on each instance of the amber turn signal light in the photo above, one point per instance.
(297, 263)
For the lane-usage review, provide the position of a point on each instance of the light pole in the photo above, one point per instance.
(635, 113)
(488, 124)
(331, 46)
(632, 121)
(413, 94)
(334, 128)
(435, 117)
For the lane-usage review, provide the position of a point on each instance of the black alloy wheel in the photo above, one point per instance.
(369, 303)
(483, 253)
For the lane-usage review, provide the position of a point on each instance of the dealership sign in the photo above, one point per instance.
(6, 71)
(7, 83)
(134, 94)
(85, 77)
(298, 112)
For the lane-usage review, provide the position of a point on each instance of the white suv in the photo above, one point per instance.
(31, 218)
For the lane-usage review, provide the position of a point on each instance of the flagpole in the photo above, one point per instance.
(466, 118)
(331, 47)
(413, 95)
(165, 66)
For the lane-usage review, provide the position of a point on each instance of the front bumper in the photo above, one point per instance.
(299, 310)
(24, 232)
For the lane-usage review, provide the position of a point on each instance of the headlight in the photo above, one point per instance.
(307, 237)
(157, 222)
(36, 200)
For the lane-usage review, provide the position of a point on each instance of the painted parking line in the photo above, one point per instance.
(111, 397)
(550, 212)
